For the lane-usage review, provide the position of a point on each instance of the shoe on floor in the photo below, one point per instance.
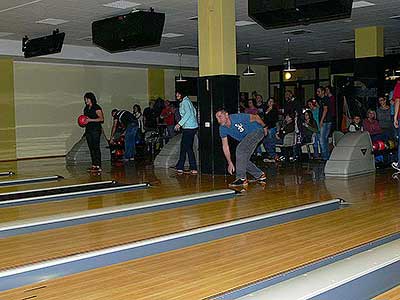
(180, 172)
(94, 169)
(269, 159)
(396, 166)
(239, 182)
(262, 178)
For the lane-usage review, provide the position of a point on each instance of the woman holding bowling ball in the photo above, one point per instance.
(93, 129)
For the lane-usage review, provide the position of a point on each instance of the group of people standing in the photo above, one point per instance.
(132, 122)
(382, 124)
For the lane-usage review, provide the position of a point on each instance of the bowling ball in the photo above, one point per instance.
(375, 146)
(119, 152)
(392, 145)
(82, 120)
(381, 145)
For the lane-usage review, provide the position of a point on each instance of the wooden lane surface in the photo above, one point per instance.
(393, 294)
(165, 184)
(201, 271)
(204, 270)
(158, 191)
(29, 248)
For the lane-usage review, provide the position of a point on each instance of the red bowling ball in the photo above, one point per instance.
(82, 121)
(375, 146)
(381, 145)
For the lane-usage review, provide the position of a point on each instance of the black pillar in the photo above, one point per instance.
(214, 92)
(371, 71)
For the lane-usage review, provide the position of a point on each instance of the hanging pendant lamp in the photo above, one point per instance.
(180, 77)
(288, 67)
(248, 71)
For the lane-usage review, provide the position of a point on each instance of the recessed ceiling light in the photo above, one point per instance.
(20, 5)
(347, 21)
(297, 32)
(52, 21)
(86, 38)
(358, 4)
(184, 48)
(395, 17)
(3, 34)
(172, 35)
(348, 41)
(262, 58)
(317, 52)
(121, 4)
(244, 23)
(194, 18)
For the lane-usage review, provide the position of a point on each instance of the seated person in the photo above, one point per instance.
(309, 127)
(287, 127)
(251, 108)
(371, 125)
(356, 125)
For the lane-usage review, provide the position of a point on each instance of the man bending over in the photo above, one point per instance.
(249, 130)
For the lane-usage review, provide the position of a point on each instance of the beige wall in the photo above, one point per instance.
(258, 83)
(49, 98)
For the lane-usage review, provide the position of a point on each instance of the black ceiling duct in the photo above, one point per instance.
(283, 13)
(137, 29)
(45, 45)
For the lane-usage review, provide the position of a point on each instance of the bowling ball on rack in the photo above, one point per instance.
(381, 145)
(375, 146)
(82, 120)
(119, 152)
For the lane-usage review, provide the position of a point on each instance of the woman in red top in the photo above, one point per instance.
(168, 115)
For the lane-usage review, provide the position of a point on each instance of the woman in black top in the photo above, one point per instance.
(93, 129)
(270, 120)
(309, 127)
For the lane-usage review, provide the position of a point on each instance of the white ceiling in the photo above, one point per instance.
(19, 18)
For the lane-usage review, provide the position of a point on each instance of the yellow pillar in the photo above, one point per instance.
(369, 42)
(156, 83)
(217, 37)
(7, 107)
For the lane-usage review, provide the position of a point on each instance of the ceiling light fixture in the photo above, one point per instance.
(262, 58)
(244, 23)
(121, 4)
(288, 67)
(52, 21)
(248, 71)
(359, 4)
(317, 52)
(180, 77)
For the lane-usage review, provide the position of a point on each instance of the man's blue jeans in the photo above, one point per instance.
(325, 130)
(270, 142)
(243, 154)
(130, 141)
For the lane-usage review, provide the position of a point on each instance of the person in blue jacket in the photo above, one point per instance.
(188, 124)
